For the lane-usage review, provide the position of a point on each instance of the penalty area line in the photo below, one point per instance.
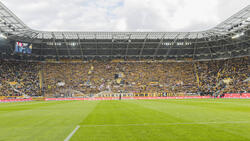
(72, 133)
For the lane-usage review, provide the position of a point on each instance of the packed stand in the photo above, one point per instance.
(224, 76)
(18, 79)
(147, 78)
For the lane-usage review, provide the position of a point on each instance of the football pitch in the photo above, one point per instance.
(127, 120)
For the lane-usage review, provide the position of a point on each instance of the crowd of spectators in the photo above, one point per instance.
(224, 76)
(137, 77)
(203, 78)
(125, 77)
(19, 78)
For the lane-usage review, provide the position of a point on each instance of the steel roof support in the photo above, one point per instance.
(20, 33)
(66, 43)
(54, 43)
(195, 46)
(33, 37)
(209, 48)
(79, 43)
(175, 39)
(129, 41)
(160, 43)
(184, 40)
(96, 45)
(41, 46)
(112, 45)
(143, 45)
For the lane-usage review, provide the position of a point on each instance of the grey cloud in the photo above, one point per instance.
(124, 15)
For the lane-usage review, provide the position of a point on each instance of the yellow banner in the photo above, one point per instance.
(13, 83)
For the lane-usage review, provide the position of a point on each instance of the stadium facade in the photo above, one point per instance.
(229, 39)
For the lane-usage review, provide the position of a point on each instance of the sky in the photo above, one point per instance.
(124, 15)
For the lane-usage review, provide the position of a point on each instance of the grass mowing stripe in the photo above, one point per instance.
(138, 112)
(72, 133)
(51, 121)
(212, 101)
(194, 110)
(123, 112)
(127, 120)
(177, 123)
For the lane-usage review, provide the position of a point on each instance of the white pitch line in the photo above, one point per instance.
(180, 123)
(72, 133)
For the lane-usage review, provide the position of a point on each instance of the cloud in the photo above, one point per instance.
(124, 15)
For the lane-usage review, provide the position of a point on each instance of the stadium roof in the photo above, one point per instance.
(13, 27)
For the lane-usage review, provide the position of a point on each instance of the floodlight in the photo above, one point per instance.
(3, 36)
(237, 35)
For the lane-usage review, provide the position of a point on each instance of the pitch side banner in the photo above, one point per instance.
(15, 100)
(236, 96)
(241, 96)
(117, 98)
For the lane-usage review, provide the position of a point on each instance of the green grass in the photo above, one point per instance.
(127, 120)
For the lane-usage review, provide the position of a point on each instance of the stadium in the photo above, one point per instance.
(76, 85)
